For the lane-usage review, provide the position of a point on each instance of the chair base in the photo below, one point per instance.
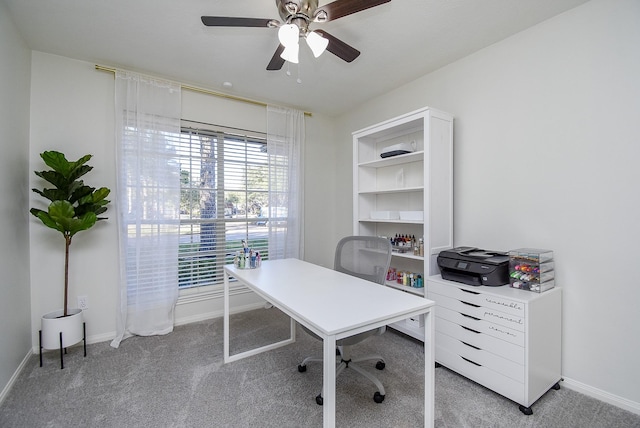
(345, 363)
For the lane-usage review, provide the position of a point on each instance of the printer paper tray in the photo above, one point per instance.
(459, 277)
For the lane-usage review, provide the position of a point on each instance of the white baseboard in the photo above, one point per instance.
(601, 395)
(212, 299)
(9, 384)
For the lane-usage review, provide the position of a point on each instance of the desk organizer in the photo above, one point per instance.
(247, 259)
(531, 269)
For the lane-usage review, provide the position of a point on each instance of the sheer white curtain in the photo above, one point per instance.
(148, 204)
(285, 147)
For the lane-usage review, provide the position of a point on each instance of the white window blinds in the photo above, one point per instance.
(224, 196)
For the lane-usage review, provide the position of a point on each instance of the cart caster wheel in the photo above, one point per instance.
(378, 398)
(319, 399)
(302, 368)
(380, 365)
(526, 410)
(556, 386)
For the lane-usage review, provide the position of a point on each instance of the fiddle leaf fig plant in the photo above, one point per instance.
(74, 206)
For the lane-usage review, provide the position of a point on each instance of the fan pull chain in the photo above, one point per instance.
(288, 72)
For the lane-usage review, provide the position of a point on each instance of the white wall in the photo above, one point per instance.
(15, 321)
(72, 111)
(546, 146)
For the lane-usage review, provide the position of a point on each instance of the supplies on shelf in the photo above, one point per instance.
(410, 279)
(531, 269)
(407, 244)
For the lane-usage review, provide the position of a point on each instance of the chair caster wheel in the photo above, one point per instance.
(319, 399)
(380, 365)
(526, 410)
(302, 368)
(378, 398)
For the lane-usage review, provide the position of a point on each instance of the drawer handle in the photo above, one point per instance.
(469, 316)
(472, 362)
(469, 291)
(470, 329)
(471, 346)
(470, 304)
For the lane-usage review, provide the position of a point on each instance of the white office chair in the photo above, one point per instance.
(366, 257)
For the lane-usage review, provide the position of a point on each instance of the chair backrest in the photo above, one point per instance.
(367, 257)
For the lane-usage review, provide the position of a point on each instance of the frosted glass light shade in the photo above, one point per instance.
(317, 43)
(288, 35)
(290, 53)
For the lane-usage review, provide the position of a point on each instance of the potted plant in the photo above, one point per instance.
(74, 207)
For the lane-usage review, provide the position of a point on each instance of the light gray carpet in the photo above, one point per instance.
(179, 380)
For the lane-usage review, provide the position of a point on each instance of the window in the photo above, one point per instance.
(224, 196)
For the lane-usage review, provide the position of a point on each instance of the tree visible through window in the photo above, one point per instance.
(224, 194)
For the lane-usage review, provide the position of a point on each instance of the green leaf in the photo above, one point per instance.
(51, 194)
(83, 223)
(56, 161)
(63, 214)
(70, 170)
(96, 197)
(77, 172)
(55, 178)
(61, 210)
(100, 194)
(46, 219)
(80, 192)
(100, 210)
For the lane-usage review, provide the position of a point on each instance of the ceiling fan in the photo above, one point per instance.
(297, 15)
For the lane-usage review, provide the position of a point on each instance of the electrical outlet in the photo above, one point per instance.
(83, 302)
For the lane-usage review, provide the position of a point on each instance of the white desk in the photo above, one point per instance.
(334, 306)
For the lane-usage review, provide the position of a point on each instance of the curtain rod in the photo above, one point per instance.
(205, 91)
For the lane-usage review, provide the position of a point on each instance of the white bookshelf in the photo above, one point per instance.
(417, 181)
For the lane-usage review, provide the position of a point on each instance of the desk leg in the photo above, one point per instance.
(231, 358)
(226, 317)
(429, 370)
(329, 383)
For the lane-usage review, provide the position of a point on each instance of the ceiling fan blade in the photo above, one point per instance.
(340, 8)
(230, 21)
(277, 61)
(339, 48)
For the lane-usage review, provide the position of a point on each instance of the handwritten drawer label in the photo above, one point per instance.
(504, 319)
(503, 303)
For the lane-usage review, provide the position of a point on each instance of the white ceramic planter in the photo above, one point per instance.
(71, 327)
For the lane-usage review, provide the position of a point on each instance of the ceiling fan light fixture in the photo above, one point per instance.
(288, 34)
(317, 43)
(290, 53)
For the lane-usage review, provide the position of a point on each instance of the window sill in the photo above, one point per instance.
(209, 292)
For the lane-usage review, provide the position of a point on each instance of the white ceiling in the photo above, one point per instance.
(399, 41)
